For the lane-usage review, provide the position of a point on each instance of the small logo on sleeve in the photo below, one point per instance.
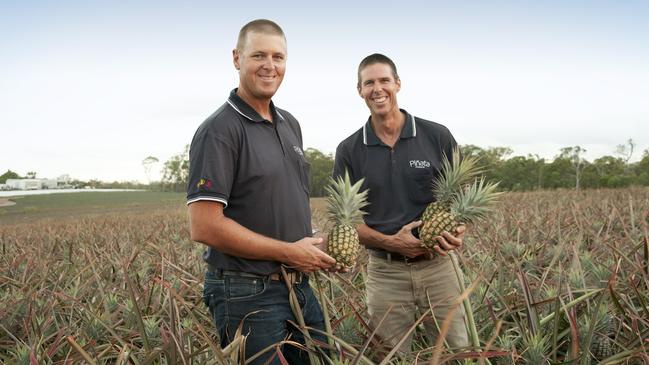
(204, 183)
(419, 164)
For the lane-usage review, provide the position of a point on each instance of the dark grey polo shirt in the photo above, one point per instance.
(400, 179)
(257, 170)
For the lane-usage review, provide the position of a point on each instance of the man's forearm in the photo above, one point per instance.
(230, 237)
(372, 238)
(211, 227)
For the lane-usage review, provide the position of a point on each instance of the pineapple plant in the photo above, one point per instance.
(344, 208)
(602, 344)
(457, 200)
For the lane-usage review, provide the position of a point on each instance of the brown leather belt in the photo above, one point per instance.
(294, 277)
(391, 256)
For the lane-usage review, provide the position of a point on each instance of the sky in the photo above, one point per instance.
(91, 88)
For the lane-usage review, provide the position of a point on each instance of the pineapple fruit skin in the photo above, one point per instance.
(343, 245)
(435, 223)
(431, 210)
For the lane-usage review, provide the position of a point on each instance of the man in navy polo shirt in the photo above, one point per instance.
(248, 198)
(399, 155)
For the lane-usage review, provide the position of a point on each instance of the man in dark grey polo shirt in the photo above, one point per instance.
(399, 155)
(248, 198)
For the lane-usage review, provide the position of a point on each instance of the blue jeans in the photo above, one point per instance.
(263, 306)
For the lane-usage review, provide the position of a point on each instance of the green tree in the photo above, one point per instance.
(522, 173)
(31, 175)
(559, 174)
(575, 156)
(641, 169)
(321, 167)
(175, 171)
(469, 150)
(612, 172)
(94, 183)
(490, 160)
(148, 163)
(625, 151)
(8, 175)
(590, 178)
(78, 184)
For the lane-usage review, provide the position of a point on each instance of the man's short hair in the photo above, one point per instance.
(264, 26)
(377, 58)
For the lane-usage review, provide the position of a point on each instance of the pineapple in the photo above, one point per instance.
(602, 345)
(456, 202)
(344, 209)
(455, 174)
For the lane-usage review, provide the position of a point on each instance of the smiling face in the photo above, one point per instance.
(379, 88)
(261, 62)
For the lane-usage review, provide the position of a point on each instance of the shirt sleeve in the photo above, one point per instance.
(341, 163)
(449, 144)
(212, 166)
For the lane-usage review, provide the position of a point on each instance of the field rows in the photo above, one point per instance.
(555, 276)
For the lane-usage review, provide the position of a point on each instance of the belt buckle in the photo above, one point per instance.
(422, 257)
(293, 277)
(412, 260)
(388, 257)
(402, 258)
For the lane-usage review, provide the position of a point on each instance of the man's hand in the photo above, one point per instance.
(323, 240)
(448, 242)
(306, 256)
(323, 247)
(405, 243)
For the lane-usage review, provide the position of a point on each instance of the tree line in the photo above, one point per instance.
(569, 169)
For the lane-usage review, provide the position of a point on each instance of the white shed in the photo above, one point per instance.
(25, 184)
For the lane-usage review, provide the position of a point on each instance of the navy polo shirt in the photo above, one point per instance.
(257, 170)
(399, 179)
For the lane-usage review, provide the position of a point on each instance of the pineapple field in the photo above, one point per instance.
(551, 277)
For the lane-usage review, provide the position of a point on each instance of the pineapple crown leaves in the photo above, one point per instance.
(456, 172)
(473, 203)
(345, 201)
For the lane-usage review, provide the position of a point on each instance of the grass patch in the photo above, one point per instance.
(73, 205)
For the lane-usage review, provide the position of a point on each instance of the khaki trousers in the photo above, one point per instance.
(408, 290)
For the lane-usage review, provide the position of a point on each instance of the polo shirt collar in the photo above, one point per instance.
(409, 130)
(247, 111)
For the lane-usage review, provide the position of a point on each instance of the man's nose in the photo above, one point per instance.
(269, 62)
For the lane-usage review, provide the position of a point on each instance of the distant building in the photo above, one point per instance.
(49, 184)
(64, 182)
(25, 184)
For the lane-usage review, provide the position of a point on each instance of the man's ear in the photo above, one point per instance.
(235, 58)
(398, 82)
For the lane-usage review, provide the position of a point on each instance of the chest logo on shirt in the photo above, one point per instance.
(298, 150)
(419, 164)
